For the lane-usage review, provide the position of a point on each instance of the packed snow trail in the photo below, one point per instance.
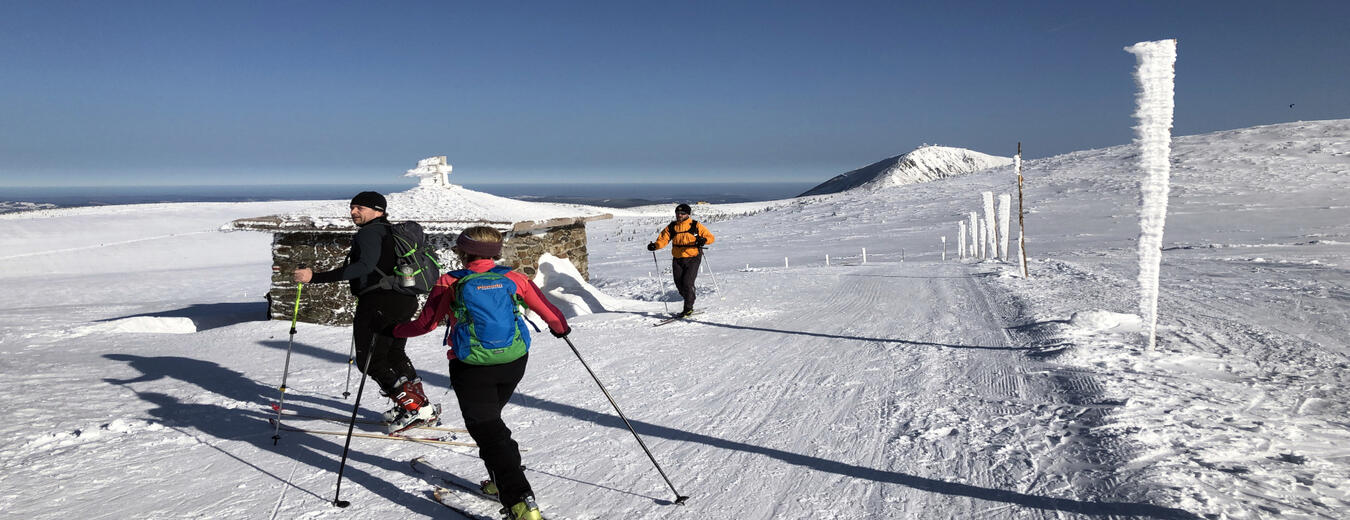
(888, 387)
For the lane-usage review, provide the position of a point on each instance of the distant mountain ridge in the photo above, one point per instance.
(924, 164)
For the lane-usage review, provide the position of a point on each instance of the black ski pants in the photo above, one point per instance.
(686, 270)
(376, 312)
(482, 392)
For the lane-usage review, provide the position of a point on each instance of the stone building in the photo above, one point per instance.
(320, 237)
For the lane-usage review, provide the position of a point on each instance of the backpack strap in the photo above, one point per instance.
(693, 229)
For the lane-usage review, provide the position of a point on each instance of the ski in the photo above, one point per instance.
(446, 496)
(676, 318)
(448, 489)
(445, 440)
(345, 420)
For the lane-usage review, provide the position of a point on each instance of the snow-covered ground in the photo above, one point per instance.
(136, 375)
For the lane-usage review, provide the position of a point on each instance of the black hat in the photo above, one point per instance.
(683, 208)
(370, 200)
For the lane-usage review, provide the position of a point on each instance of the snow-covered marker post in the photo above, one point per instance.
(1004, 215)
(827, 260)
(961, 240)
(984, 240)
(974, 250)
(1156, 75)
(990, 234)
(944, 249)
(864, 255)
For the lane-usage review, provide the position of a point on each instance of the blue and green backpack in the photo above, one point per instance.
(489, 327)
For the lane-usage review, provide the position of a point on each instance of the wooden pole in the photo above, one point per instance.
(1021, 224)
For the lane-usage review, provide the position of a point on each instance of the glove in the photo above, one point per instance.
(700, 241)
(562, 334)
(651, 246)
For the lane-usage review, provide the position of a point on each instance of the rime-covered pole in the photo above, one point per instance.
(961, 241)
(974, 236)
(990, 236)
(1004, 210)
(1155, 73)
(984, 240)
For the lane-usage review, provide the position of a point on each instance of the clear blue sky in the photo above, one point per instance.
(198, 92)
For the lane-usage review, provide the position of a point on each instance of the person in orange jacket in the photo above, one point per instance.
(686, 237)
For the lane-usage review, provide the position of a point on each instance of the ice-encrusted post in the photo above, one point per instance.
(974, 236)
(991, 230)
(1156, 74)
(944, 249)
(984, 240)
(1004, 215)
(961, 240)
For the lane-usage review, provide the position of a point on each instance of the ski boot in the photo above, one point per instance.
(414, 409)
(526, 509)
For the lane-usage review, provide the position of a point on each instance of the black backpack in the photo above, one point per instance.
(413, 259)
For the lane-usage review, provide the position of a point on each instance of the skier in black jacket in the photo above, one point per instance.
(377, 310)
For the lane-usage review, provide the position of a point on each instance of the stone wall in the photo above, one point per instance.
(523, 251)
(333, 304)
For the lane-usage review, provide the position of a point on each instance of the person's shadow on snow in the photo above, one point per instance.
(251, 426)
(852, 338)
(1123, 509)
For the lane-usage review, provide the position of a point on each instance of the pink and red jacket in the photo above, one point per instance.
(438, 304)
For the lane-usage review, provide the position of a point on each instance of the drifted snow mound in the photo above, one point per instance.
(924, 164)
(570, 292)
(141, 324)
(1089, 322)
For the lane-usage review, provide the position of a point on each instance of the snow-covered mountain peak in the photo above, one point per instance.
(924, 164)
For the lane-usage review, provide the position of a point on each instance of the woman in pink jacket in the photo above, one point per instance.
(489, 344)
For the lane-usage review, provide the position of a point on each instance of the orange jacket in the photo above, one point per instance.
(682, 245)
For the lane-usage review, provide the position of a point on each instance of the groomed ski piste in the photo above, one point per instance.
(137, 370)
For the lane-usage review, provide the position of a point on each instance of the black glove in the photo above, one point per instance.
(651, 246)
(562, 334)
(700, 241)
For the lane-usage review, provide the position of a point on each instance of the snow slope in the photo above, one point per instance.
(905, 387)
(924, 164)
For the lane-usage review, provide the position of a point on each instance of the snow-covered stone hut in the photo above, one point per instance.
(320, 237)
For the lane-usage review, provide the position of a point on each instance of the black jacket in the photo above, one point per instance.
(372, 246)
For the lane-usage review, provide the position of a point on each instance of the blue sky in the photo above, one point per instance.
(182, 92)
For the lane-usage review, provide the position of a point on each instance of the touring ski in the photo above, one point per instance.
(443, 440)
(676, 318)
(447, 490)
(345, 420)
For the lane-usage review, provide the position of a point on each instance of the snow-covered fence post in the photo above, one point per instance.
(961, 240)
(944, 249)
(1004, 210)
(1156, 75)
(991, 229)
(785, 262)
(864, 255)
(827, 260)
(984, 240)
(974, 236)
(1021, 226)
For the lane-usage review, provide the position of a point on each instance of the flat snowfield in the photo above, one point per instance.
(137, 370)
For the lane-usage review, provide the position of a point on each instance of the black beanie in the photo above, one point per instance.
(682, 208)
(370, 200)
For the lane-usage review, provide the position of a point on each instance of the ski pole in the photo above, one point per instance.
(351, 360)
(679, 499)
(295, 314)
(704, 252)
(370, 353)
(663, 284)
